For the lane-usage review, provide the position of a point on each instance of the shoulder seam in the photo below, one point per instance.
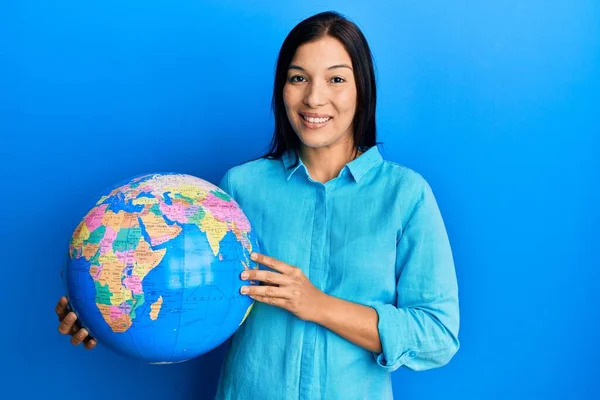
(415, 203)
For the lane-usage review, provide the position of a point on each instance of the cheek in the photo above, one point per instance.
(289, 96)
(346, 102)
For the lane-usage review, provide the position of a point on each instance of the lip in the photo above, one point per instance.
(315, 115)
(314, 125)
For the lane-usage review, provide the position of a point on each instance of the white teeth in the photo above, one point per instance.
(316, 120)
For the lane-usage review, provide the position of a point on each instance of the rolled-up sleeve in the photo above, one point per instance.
(420, 331)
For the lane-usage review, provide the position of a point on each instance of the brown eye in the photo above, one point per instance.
(338, 79)
(296, 79)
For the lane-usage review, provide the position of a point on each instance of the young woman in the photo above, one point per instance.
(360, 278)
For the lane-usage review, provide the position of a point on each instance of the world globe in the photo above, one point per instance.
(153, 268)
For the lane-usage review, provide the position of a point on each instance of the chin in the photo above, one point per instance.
(318, 144)
(315, 142)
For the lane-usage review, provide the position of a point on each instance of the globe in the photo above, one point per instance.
(153, 268)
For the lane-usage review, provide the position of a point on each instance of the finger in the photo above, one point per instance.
(89, 343)
(268, 277)
(272, 263)
(274, 301)
(67, 323)
(267, 291)
(77, 338)
(61, 308)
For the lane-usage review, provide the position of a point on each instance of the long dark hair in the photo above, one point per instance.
(313, 28)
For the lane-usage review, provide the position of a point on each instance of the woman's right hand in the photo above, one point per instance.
(69, 326)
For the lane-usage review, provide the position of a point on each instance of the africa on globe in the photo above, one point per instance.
(153, 268)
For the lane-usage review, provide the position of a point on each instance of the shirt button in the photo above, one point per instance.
(412, 354)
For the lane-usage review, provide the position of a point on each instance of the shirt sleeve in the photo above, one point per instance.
(225, 183)
(420, 331)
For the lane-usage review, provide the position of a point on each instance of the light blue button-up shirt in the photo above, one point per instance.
(374, 235)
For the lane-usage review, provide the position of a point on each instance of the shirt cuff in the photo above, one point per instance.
(392, 355)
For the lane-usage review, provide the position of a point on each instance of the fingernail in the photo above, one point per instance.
(244, 275)
(253, 256)
(244, 290)
(71, 316)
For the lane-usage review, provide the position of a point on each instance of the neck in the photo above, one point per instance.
(325, 163)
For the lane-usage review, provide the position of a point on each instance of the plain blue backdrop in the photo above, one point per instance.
(496, 103)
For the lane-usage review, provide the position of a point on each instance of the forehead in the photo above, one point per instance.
(321, 53)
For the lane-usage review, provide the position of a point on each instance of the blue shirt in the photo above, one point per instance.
(374, 236)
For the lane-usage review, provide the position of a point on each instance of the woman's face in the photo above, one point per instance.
(320, 93)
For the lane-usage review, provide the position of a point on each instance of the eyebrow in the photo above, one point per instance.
(294, 66)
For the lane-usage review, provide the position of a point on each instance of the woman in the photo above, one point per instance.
(360, 278)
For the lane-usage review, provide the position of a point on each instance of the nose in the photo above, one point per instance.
(316, 95)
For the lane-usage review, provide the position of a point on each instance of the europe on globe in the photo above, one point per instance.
(153, 268)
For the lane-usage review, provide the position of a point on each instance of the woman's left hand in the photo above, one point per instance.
(288, 288)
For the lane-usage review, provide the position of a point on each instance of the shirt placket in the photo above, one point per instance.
(316, 274)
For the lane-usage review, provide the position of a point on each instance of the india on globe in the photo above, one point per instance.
(153, 268)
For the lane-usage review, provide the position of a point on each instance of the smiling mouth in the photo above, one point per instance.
(315, 120)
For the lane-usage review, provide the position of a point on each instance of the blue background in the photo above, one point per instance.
(496, 103)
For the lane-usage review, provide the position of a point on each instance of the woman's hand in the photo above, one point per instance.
(69, 326)
(288, 288)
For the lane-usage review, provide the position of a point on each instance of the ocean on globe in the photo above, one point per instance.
(153, 268)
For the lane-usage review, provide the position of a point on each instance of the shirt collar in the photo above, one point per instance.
(288, 159)
(357, 167)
